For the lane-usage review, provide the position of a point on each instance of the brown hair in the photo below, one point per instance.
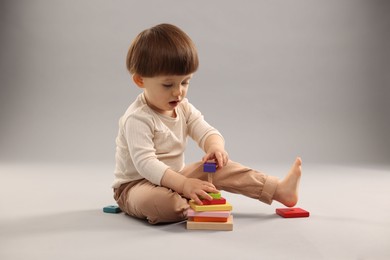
(162, 50)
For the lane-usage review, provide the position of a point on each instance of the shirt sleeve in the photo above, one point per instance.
(198, 128)
(139, 132)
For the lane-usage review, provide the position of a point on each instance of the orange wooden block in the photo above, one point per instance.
(209, 219)
(223, 226)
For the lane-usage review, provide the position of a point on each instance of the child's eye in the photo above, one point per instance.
(185, 83)
(167, 85)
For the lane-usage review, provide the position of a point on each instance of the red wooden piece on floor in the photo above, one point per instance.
(292, 212)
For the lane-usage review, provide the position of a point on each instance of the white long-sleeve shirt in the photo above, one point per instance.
(148, 143)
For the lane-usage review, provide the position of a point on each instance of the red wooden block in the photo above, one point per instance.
(292, 212)
(214, 201)
(208, 219)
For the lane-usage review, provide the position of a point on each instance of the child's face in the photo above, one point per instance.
(164, 93)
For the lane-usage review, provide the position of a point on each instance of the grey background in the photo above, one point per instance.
(277, 78)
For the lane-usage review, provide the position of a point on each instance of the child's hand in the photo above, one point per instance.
(218, 154)
(195, 188)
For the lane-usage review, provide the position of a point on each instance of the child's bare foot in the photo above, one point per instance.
(287, 190)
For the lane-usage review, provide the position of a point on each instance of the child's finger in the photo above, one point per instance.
(219, 158)
(226, 159)
(207, 185)
(206, 196)
(197, 200)
(211, 188)
(206, 158)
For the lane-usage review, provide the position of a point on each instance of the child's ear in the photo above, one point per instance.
(138, 80)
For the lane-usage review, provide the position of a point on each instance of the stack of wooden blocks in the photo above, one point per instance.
(214, 214)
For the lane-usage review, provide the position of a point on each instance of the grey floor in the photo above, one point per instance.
(55, 212)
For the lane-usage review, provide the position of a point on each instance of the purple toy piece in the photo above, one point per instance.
(209, 167)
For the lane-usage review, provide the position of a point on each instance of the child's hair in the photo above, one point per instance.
(162, 50)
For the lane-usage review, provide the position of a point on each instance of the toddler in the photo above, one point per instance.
(151, 180)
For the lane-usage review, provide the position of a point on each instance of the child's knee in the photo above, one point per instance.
(170, 208)
(155, 203)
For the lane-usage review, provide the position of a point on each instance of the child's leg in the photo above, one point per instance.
(237, 178)
(157, 204)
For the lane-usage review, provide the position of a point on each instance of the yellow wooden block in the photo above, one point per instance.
(223, 226)
(216, 207)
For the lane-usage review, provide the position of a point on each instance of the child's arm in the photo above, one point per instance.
(191, 188)
(215, 150)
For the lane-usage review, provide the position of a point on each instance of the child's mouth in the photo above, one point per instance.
(174, 103)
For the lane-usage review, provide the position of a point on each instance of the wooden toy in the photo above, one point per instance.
(214, 214)
(112, 209)
(210, 167)
(215, 195)
(214, 201)
(217, 207)
(223, 226)
(209, 219)
(292, 212)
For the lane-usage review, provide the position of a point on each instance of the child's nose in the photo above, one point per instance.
(177, 91)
